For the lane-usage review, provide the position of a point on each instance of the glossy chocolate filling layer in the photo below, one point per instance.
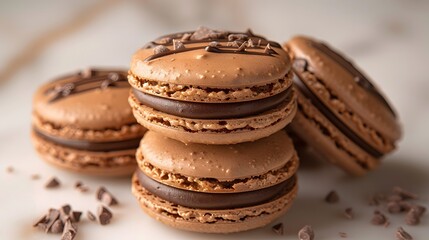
(90, 146)
(333, 118)
(211, 110)
(201, 200)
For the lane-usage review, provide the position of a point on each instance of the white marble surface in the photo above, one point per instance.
(38, 41)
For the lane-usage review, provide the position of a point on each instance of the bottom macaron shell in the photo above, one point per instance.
(314, 129)
(117, 163)
(227, 131)
(212, 221)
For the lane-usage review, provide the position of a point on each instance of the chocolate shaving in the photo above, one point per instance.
(160, 49)
(378, 218)
(70, 230)
(401, 234)
(165, 40)
(233, 44)
(237, 37)
(87, 73)
(186, 37)
(250, 43)
(268, 50)
(79, 186)
(404, 194)
(300, 65)
(278, 228)
(412, 217)
(57, 227)
(104, 215)
(242, 47)
(178, 44)
(91, 216)
(213, 44)
(52, 183)
(42, 223)
(420, 210)
(332, 197)
(397, 206)
(106, 197)
(203, 33)
(306, 233)
(342, 234)
(348, 213)
(75, 216)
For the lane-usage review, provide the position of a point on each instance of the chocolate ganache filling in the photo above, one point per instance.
(89, 145)
(211, 110)
(202, 200)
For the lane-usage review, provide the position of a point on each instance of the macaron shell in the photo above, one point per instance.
(129, 131)
(319, 133)
(218, 161)
(212, 221)
(94, 109)
(222, 131)
(117, 163)
(362, 111)
(192, 93)
(207, 69)
(211, 185)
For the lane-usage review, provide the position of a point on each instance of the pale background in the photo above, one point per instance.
(41, 39)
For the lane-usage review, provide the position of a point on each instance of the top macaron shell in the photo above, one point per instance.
(346, 92)
(196, 74)
(87, 111)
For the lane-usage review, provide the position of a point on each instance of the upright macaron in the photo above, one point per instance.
(82, 122)
(342, 114)
(215, 188)
(212, 87)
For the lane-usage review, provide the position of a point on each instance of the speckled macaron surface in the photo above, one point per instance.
(83, 122)
(212, 87)
(342, 114)
(215, 188)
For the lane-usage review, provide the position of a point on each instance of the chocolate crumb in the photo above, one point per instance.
(201, 33)
(412, 217)
(378, 218)
(419, 209)
(404, 194)
(57, 227)
(300, 64)
(91, 216)
(10, 169)
(178, 44)
(306, 233)
(278, 228)
(250, 43)
(106, 197)
(160, 49)
(35, 176)
(80, 187)
(348, 213)
(52, 183)
(75, 216)
(42, 223)
(70, 231)
(104, 215)
(332, 197)
(342, 234)
(401, 234)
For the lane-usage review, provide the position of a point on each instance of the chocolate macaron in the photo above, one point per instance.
(83, 122)
(212, 87)
(215, 188)
(341, 114)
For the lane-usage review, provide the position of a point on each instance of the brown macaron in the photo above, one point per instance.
(82, 122)
(215, 188)
(212, 87)
(342, 114)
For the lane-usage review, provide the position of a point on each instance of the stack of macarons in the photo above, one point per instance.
(219, 106)
(82, 122)
(215, 159)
